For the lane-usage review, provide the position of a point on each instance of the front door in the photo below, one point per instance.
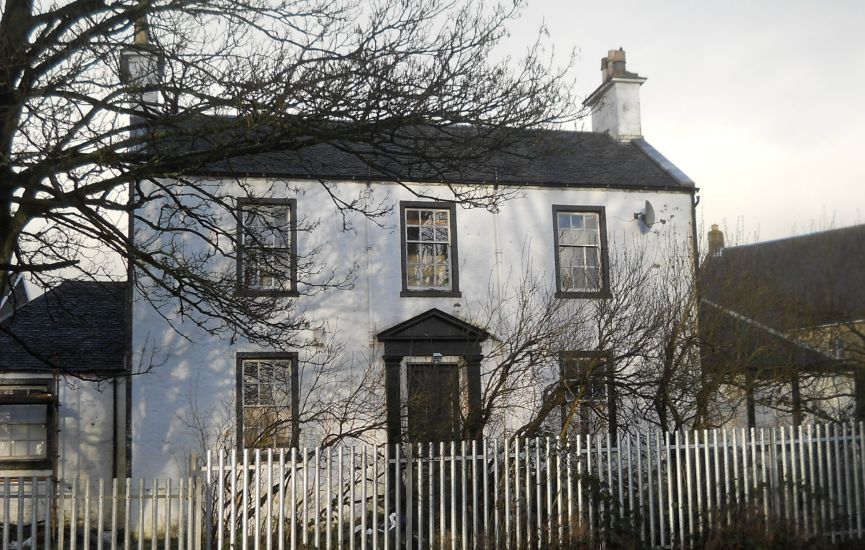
(433, 402)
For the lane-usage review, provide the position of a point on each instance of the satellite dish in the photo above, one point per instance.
(648, 215)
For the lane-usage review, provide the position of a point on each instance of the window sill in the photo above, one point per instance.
(26, 464)
(268, 293)
(584, 294)
(430, 294)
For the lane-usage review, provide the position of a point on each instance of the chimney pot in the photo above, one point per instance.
(716, 241)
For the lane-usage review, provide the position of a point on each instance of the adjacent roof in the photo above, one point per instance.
(530, 157)
(733, 342)
(78, 327)
(792, 283)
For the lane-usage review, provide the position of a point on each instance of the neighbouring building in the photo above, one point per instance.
(784, 321)
(63, 390)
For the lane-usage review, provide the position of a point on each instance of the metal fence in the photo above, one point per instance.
(650, 489)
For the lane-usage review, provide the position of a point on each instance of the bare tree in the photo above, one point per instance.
(627, 358)
(110, 111)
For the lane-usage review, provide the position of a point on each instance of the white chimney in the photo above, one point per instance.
(615, 105)
(142, 66)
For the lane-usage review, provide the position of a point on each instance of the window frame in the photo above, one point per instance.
(454, 291)
(243, 205)
(566, 359)
(604, 291)
(49, 400)
(292, 358)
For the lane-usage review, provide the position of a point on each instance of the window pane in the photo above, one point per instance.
(412, 233)
(564, 221)
(250, 394)
(441, 234)
(440, 252)
(412, 217)
(427, 233)
(426, 217)
(593, 278)
(578, 238)
(570, 256)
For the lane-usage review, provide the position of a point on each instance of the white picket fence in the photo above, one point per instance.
(661, 490)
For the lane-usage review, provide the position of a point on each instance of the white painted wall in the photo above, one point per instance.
(86, 423)
(196, 382)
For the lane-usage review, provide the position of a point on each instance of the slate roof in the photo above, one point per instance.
(530, 157)
(78, 326)
(733, 342)
(791, 283)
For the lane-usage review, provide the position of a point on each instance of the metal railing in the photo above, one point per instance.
(652, 489)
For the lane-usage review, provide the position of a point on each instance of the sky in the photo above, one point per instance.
(759, 102)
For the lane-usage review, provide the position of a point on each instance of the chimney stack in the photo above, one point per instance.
(716, 241)
(615, 105)
(142, 67)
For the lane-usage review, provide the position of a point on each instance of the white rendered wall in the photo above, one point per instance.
(195, 385)
(86, 421)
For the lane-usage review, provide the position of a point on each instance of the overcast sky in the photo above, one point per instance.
(760, 103)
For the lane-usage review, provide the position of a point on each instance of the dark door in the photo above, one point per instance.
(433, 402)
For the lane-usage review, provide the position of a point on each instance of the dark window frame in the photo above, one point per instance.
(244, 203)
(49, 399)
(292, 357)
(604, 291)
(454, 291)
(565, 361)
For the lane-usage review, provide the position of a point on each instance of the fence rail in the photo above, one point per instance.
(652, 489)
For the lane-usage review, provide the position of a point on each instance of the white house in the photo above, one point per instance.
(405, 329)
(402, 348)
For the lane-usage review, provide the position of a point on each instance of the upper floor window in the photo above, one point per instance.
(267, 400)
(26, 417)
(581, 251)
(267, 244)
(429, 249)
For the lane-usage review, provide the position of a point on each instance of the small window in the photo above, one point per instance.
(588, 389)
(267, 400)
(267, 246)
(429, 249)
(26, 417)
(581, 251)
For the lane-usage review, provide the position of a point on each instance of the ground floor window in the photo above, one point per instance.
(588, 393)
(26, 422)
(267, 400)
